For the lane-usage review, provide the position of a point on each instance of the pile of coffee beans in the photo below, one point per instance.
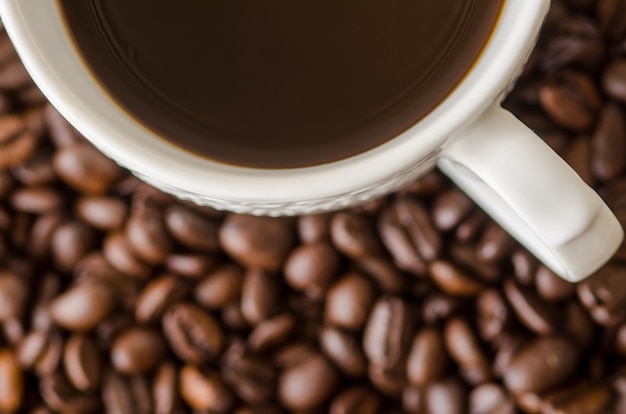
(117, 298)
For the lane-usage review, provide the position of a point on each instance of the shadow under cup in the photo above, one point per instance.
(283, 83)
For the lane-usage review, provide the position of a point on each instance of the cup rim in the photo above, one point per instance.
(36, 28)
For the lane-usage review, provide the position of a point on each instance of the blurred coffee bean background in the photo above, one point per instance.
(117, 298)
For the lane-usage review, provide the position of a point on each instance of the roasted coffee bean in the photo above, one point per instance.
(539, 316)
(192, 229)
(13, 295)
(427, 361)
(36, 170)
(578, 156)
(259, 293)
(471, 227)
(608, 155)
(117, 251)
(116, 394)
(450, 208)
(344, 350)
(61, 132)
(551, 287)
(579, 325)
(399, 244)
(438, 307)
(147, 237)
(137, 350)
(164, 389)
(356, 400)
(490, 398)
(604, 288)
(157, 296)
(463, 346)
(314, 228)
(581, 399)
(220, 286)
(191, 265)
(82, 362)
(233, 318)
(493, 316)
(307, 384)
(494, 244)
(69, 243)
(354, 235)
(348, 301)
(311, 267)
(447, 396)
(271, 332)
(205, 390)
(524, 267)
(11, 382)
(193, 334)
(41, 232)
(50, 360)
(389, 381)
(388, 332)
(31, 348)
(542, 364)
(17, 142)
(571, 99)
(253, 379)
(576, 41)
(82, 307)
(85, 169)
(611, 17)
(387, 277)
(36, 199)
(454, 281)
(13, 76)
(413, 216)
(257, 241)
(614, 79)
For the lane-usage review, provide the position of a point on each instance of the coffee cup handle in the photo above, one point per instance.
(532, 193)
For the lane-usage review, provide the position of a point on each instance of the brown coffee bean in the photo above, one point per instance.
(490, 398)
(472, 226)
(450, 208)
(494, 244)
(253, 379)
(415, 219)
(116, 394)
(604, 288)
(427, 361)
(538, 316)
(11, 382)
(344, 350)
(82, 362)
(542, 364)
(36, 200)
(348, 301)
(399, 244)
(614, 80)
(219, 287)
(493, 316)
(579, 325)
(233, 318)
(447, 396)
(85, 169)
(137, 350)
(311, 267)
(453, 280)
(524, 267)
(259, 293)
(581, 399)
(191, 265)
(388, 332)
(117, 251)
(147, 237)
(41, 232)
(193, 334)
(257, 241)
(578, 156)
(13, 76)
(17, 142)
(438, 307)
(551, 287)
(356, 400)
(388, 381)
(191, 228)
(61, 396)
(571, 99)
(205, 390)
(82, 307)
(464, 348)
(611, 17)
(466, 256)
(314, 228)
(271, 332)
(387, 277)
(576, 41)
(69, 243)
(354, 235)
(61, 132)
(13, 295)
(36, 170)
(308, 384)
(608, 154)
(50, 360)
(164, 389)
(157, 296)
(30, 349)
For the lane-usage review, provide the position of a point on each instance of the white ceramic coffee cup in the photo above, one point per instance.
(497, 160)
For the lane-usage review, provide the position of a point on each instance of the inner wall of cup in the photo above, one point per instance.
(37, 30)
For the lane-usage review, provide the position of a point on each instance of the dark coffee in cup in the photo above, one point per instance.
(279, 83)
